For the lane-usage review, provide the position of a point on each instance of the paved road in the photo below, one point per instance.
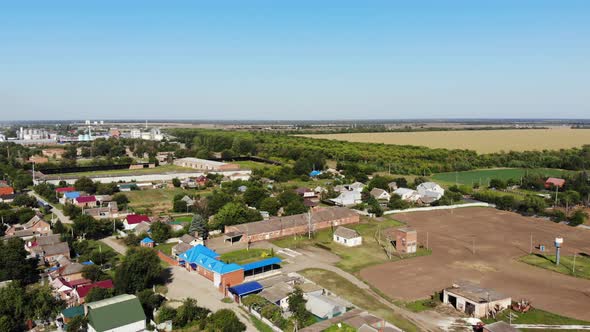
(112, 242)
(62, 217)
(191, 284)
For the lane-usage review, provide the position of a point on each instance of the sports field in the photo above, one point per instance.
(482, 141)
(483, 176)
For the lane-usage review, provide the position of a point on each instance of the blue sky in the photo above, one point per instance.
(294, 59)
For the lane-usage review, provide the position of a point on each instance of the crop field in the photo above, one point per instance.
(482, 141)
(483, 176)
(157, 200)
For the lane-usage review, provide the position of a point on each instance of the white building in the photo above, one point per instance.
(430, 189)
(324, 307)
(406, 194)
(348, 198)
(475, 300)
(347, 237)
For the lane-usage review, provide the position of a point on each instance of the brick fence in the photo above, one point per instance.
(167, 259)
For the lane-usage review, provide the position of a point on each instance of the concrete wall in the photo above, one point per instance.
(133, 327)
(443, 207)
(357, 241)
(481, 309)
(145, 178)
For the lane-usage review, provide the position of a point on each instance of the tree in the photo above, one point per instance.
(235, 213)
(14, 264)
(58, 227)
(176, 182)
(97, 294)
(254, 195)
(180, 206)
(121, 199)
(189, 312)
(72, 210)
(270, 205)
(150, 301)
(375, 207)
(397, 203)
(199, 225)
(224, 320)
(379, 182)
(25, 200)
(165, 313)
(578, 218)
(93, 272)
(217, 200)
(294, 207)
(297, 307)
(254, 301)
(78, 323)
(401, 182)
(160, 232)
(497, 183)
(140, 269)
(85, 184)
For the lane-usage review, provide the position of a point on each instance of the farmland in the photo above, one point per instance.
(482, 141)
(483, 176)
(159, 200)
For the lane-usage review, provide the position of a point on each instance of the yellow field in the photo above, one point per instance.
(482, 141)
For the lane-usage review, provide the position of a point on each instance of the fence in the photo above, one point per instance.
(442, 207)
(264, 320)
(167, 259)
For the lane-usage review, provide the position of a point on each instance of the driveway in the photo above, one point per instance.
(60, 215)
(112, 242)
(190, 284)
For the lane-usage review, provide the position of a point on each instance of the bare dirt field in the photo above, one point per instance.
(482, 141)
(500, 238)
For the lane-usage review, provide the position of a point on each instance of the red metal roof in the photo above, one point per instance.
(137, 218)
(6, 191)
(85, 199)
(555, 181)
(65, 189)
(85, 289)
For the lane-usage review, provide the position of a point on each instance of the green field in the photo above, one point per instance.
(356, 258)
(536, 316)
(483, 176)
(246, 256)
(356, 296)
(165, 248)
(249, 164)
(157, 200)
(566, 264)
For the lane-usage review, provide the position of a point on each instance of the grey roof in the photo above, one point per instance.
(181, 247)
(71, 269)
(309, 287)
(346, 233)
(277, 292)
(279, 223)
(186, 238)
(322, 306)
(142, 227)
(376, 192)
(475, 292)
(48, 239)
(32, 221)
(55, 249)
(269, 282)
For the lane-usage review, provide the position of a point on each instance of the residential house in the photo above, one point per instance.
(406, 194)
(105, 212)
(392, 186)
(324, 307)
(142, 228)
(347, 198)
(85, 201)
(80, 292)
(190, 240)
(347, 237)
(357, 186)
(49, 252)
(380, 194)
(180, 248)
(69, 197)
(63, 190)
(278, 294)
(53, 153)
(189, 201)
(305, 192)
(122, 313)
(131, 221)
(35, 226)
(430, 189)
(69, 273)
(244, 176)
(6, 190)
(475, 300)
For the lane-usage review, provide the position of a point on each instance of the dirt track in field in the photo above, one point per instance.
(500, 239)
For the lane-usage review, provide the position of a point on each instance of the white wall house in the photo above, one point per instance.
(347, 198)
(380, 194)
(430, 189)
(406, 194)
(347, 237)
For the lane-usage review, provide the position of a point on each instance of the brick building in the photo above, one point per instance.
(406, 240)
(205, 165)
(278, 227)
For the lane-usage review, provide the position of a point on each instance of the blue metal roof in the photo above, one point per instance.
(245, 289)
(193, 253)
(262, 263)
(147, 240)
(207, 258)
(315, 173)
(88, 263)
(72, 194)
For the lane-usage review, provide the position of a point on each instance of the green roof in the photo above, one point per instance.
(114, 312)
(72, 312)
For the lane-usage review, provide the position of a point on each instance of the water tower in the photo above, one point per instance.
(558, 242)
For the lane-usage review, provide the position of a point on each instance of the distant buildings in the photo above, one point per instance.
(205, 165)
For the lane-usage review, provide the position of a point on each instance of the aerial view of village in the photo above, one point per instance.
(294, 166)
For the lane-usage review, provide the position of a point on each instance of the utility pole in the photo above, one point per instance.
(426, 240)
(556, 190)
(574, 266)
(531, 248)
(309, 224)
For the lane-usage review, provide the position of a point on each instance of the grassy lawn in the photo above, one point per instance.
(246, 256)
(483, 176)
(184, 219)
(566, 264)
(419, 305)
(142, 171)
(357, 296)
(165, 248)
(536, 316)
(249, 164)
(260, 325)
(343, 328)
(99, 250)
(157, 200)
(356, 258)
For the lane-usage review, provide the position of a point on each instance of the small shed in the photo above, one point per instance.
(475, 300)
(406, 240)
(554, 182)
(244, 289)
(348, 237)
(147, 242)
